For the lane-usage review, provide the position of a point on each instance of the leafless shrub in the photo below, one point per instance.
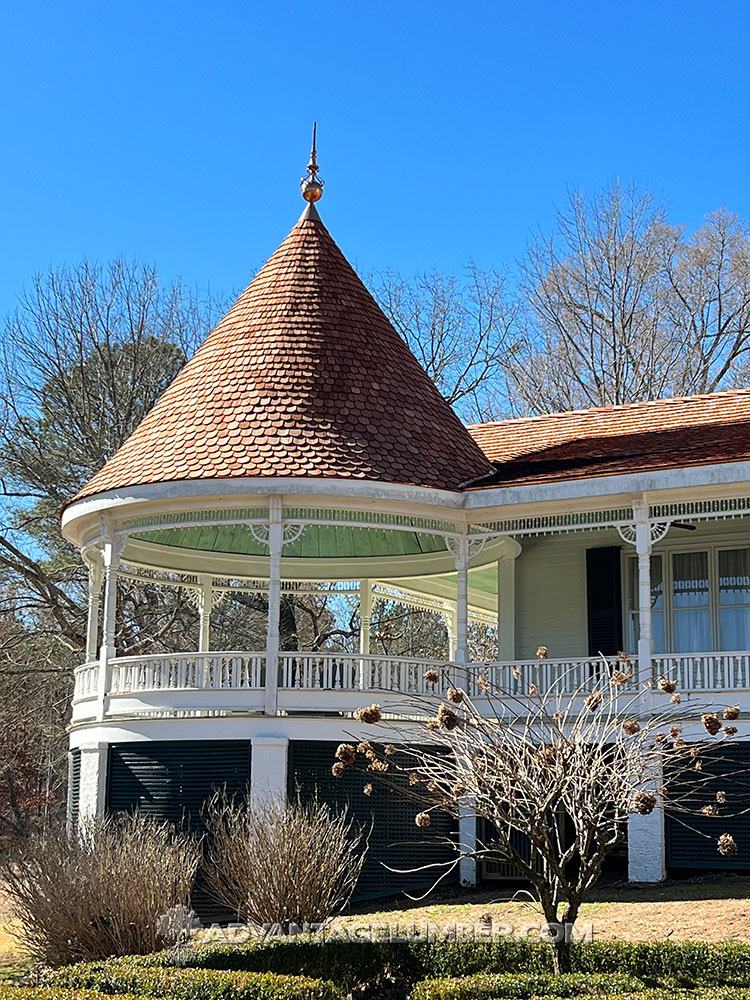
(282, 862)
(101, 893)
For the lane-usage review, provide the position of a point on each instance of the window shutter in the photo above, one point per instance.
(604, 600)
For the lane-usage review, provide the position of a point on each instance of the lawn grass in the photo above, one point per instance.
(709, 908)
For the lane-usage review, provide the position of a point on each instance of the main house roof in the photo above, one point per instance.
(304, 377)
(634, 437)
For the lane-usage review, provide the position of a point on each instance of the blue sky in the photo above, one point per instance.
(177, 132)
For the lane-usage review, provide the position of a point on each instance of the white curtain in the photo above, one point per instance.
(734, 599)
(691, 602)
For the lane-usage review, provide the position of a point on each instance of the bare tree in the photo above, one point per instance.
(561, 762)
(458, 327)
(619, 305)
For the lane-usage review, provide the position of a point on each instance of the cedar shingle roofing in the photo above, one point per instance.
(635, 437)
(303, 377)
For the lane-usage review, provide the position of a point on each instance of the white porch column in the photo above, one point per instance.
(643, 550)
(450, 624)
(365, 615)
(467, 841)
(96, 575)
(275, 546)
(268, 769)
(646, 843)
(461, 555)
(506, 607)
(111, 559)
(204, 609)
(93, 783)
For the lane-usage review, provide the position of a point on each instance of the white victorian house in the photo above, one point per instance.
(303, 447)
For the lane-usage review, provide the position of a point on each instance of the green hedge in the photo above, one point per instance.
(347, 963)
(128, 976)
(663, 993)
(53, 993)
(490, 986)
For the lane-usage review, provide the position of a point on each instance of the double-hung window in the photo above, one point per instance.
(700, 600)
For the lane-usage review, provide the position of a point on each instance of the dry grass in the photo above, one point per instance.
(705, 909)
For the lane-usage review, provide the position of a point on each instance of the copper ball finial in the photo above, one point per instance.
(311, 185)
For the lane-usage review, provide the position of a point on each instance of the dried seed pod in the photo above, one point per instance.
(594, 700)
(447, 717)
(422, 820)
(711, 723)
(644, 803)
(631, 726)
(721, 798)
(731, 713)
(675, 699)
(726, 845)
(346, 753)
(666, 685)
(730, 730)
(338, 769)
(367, 789)
(455, 696)
(370, 715)
(431, 676)
(542, 652)
(710, 810)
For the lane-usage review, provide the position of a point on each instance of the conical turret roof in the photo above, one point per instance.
(303, 377)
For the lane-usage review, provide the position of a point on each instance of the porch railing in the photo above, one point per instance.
(333, 680)
(705, 671)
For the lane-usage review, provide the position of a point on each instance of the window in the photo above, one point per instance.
(700, 601)
(657, 605)
(691, 602)
(734, 598)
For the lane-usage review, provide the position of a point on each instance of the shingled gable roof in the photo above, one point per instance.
(634, 437)
(303, 377)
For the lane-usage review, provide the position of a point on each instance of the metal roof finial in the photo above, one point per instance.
(312, 185)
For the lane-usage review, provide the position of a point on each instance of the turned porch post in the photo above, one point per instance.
(111, 559)
(461, 556)
(365, 615)
(275, 546)
(96, 576)
(643, 550)
(206, 596)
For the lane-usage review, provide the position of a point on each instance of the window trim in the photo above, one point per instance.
(666, 550)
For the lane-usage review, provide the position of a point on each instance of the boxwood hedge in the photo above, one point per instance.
(347, 963)
(127, 976)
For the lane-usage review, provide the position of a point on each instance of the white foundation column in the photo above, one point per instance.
(275, 546)
(467, 841)
(93, 784)
(647, 860)
(506, 608)
(365, 615)
(96, 576)
(268, 770)
(204, 610)
(111, 558)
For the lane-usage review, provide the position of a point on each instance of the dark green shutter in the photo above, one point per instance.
(74, 788)
(386, 815)
(604, 600)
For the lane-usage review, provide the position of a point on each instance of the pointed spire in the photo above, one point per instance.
(312, 185)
